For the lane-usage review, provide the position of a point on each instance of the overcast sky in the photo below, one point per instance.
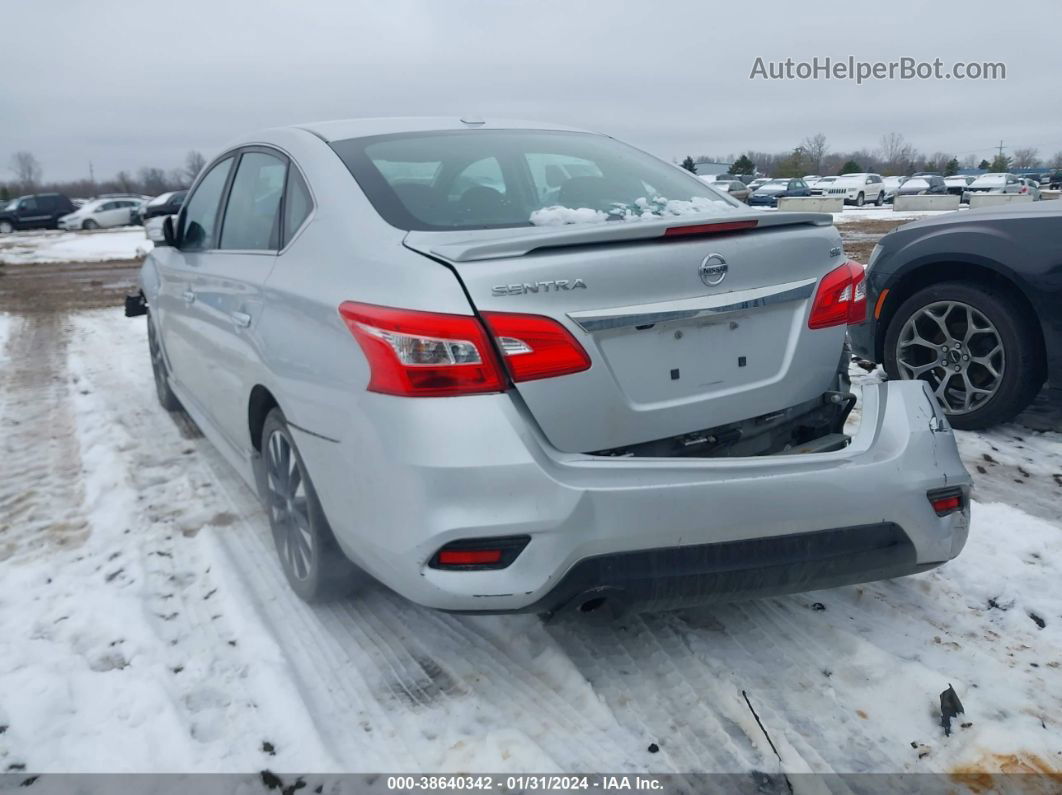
(130, 84)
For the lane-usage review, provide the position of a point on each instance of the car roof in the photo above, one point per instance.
(982, 214)
(343, 129)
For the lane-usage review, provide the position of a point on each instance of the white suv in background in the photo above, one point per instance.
(857, 189)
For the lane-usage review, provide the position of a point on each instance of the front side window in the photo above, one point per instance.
(479, 179)
(252, 216)
(201, 211)
(28, 205)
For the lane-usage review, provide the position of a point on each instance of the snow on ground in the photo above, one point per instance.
(145, 625)
(886, 213)
(126, 242)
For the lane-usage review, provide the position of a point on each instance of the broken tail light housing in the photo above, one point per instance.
(477, 554)
(841, 298)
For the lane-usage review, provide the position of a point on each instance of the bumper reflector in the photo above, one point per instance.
(479, 553)
(946, 502)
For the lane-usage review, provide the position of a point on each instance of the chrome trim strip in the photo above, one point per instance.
(689, 308)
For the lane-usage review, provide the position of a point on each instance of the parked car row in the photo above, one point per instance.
(867, 188)
(56, 211)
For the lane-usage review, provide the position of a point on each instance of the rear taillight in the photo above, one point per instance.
(946, 501)
(429, 354)
(423, 354)
(841, 298)
(534, 346)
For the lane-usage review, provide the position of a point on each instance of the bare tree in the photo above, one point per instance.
(152, 180)
(815, 149)
(193, 164)
(1056, 161)
(124, 181)
(896, 153)
(27, 169)
(1026, 158)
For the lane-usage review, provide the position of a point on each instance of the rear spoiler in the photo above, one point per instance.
(501, 243)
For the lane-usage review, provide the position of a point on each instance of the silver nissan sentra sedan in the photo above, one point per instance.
(503, 367)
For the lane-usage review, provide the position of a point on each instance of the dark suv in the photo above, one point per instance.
(40, 211)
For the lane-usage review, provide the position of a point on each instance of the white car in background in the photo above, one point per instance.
(1030, 186)
(102, 214)
(857, 189)
(996, 183)
(891, 185)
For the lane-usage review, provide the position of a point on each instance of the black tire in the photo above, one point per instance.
(880, 200)
(90, 224)
(167, 399)
(1022, 374)
(860, 199)
(315, 566)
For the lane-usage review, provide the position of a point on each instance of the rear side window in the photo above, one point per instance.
(252, 216)
(201, 210)
(297, 203)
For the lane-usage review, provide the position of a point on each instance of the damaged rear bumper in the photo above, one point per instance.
(663, 531)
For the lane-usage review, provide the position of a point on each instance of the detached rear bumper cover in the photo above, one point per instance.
(656, 527)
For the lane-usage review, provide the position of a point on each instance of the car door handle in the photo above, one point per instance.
(189, 297)
(241, 319)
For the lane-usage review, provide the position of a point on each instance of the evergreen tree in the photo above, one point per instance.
(850, 167)
(984, 165)
(1000, 164)
(689, 165)
(951, 168)
(743, 166)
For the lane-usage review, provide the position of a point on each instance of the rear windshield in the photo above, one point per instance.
(482, 179)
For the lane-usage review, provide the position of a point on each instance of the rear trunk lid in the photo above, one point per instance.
(685, 331)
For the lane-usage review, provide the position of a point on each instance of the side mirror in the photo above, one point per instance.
(159, 230)
(169, 232)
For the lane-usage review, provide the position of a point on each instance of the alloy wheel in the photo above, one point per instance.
(288, 506)
(957, 349)
(6, 228)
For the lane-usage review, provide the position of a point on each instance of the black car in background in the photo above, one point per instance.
(970, 302)
(37, 211)
(163, 204)
(768, 194)
(924, 185)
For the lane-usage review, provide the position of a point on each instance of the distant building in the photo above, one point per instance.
(709, 169)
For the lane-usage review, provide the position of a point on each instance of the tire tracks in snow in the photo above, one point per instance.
(40, 461)
(389, 685)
